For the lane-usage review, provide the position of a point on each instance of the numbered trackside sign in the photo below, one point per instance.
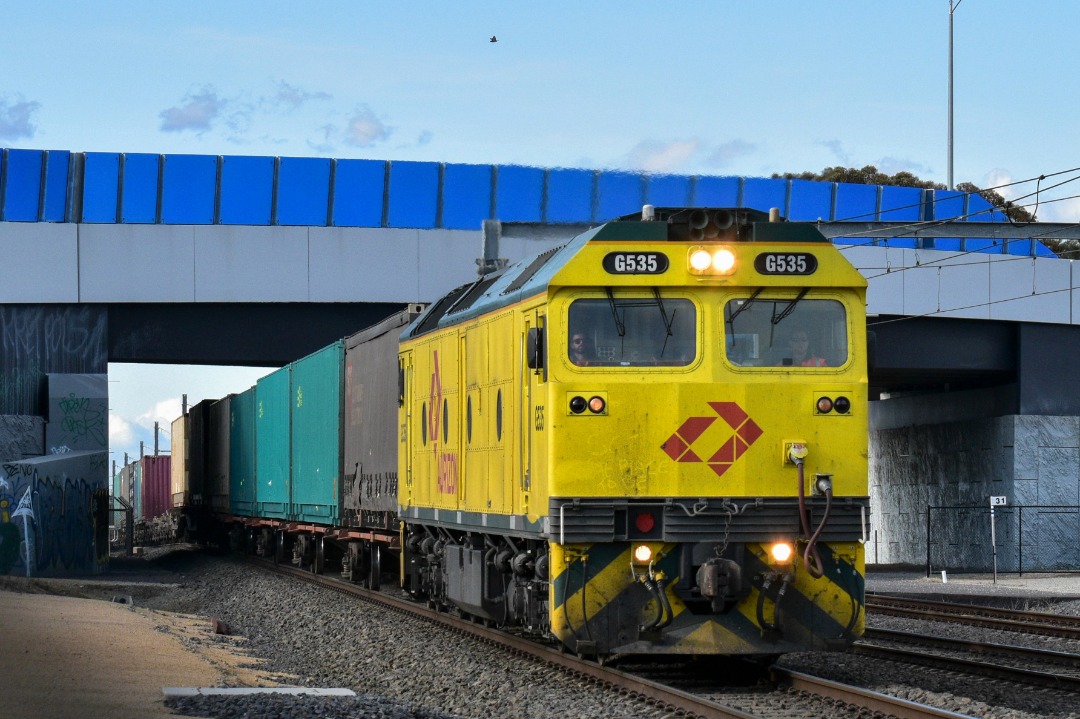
(636, 263)
(786, 263)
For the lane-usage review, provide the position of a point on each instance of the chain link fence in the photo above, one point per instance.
(1037, 538)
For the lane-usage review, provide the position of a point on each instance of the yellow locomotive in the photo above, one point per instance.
(650, 440)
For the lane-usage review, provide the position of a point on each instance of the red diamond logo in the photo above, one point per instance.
(746, 432)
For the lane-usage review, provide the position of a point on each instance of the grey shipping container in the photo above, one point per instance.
(370, 476)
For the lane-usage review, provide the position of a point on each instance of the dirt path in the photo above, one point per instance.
(65, 657)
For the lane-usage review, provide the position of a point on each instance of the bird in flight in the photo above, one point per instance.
(493, 39)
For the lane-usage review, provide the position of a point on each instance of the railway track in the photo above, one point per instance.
(794, 695)
(1027, 622)
(1021, 665)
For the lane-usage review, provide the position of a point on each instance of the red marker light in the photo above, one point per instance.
(644, 522)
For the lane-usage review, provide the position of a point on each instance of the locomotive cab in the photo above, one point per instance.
(708, 353)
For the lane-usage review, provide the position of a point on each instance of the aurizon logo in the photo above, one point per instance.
(679, 446)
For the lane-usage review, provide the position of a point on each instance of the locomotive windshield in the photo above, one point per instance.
(632, 332)
(790, 332)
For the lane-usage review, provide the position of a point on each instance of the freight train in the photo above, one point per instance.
(650, 440)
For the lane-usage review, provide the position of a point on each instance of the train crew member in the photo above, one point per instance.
(580, 352)
(800, 353)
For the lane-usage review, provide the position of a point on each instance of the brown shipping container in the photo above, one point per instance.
(179, 461)
(156, 486)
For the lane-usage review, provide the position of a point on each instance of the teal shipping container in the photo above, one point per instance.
(242, 454)
(272, 446)
(317, 400)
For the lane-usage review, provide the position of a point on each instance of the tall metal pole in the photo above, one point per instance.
(952, 9)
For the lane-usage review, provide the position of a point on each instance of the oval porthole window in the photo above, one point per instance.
(423, 423)
(445, 421)
(468, 421)
(498, 416)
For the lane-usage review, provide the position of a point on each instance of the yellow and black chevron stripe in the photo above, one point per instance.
(599, 606)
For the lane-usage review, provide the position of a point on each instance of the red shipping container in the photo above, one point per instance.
(156, 486)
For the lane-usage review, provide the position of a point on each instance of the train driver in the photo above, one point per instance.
(800, 353)
(580, 352)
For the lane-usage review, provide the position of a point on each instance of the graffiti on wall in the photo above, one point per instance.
(39, 339)
(48, 525)
(82, 423)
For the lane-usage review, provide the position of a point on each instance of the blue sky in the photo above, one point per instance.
(721, 88)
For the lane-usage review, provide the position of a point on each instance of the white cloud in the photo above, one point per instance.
(837, 149)
(120, 431)
(365, 129)
(654, 156)
(727, 153)
(196, 112)
(163, 412)
(996, 178)
(293, 97)
(15, 116)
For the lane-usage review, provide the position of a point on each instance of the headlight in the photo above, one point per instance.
(781, 552)
(711, 261)
(642, 554)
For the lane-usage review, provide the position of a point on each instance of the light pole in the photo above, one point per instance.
(952, 9)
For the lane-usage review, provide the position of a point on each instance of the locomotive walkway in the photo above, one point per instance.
(67, 657)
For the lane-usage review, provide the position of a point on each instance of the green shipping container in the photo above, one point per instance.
(272, 454)
(317, 402)
(242, 454)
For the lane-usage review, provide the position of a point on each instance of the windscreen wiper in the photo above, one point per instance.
(777, 318)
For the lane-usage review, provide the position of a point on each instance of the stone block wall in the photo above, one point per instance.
(954, 467)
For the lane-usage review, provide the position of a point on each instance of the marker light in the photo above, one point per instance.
(843, 405)
(642, 554)
(596, 405)
(577, 404)
(824, 404)
(781, 552)
(644, 522)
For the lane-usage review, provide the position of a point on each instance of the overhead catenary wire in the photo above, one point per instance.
(956, 193)
(949, 260)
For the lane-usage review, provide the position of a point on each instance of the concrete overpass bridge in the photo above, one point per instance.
(113, 257)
